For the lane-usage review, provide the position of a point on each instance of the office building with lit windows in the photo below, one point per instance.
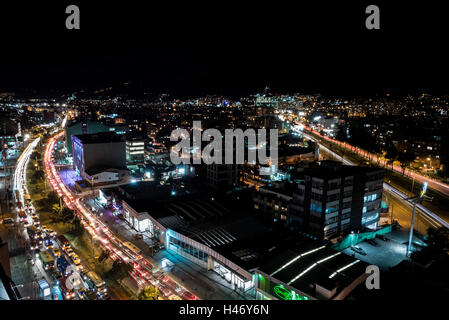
(334, 199)
(135, 151)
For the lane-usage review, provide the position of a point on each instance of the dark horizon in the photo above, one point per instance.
(189, 51)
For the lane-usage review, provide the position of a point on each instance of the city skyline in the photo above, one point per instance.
(234, 157)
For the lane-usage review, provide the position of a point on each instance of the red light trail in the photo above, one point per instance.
(143, 271)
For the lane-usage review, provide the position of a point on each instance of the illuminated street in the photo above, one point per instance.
(143, 272)
(233, 159)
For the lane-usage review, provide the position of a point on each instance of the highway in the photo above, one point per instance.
(20, 189)
(143, 271)
(432, 183)
(431, 218)
(19, 183)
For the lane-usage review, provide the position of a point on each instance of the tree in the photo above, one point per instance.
(405, 158)
(119, 270)
(36, 155)
(52, 197)
(77, 228)
(437, 248)
(48, 202)
(341, 133)
(37, 176)
(104, 255)
(391, 152)
(149, 293)
(439, 238)
(61, 215)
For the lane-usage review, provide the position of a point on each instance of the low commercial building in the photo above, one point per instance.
(100, 176)
(234, 244)
(308, 272)
(192, 225)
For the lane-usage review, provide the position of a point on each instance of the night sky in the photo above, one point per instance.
(191, 50)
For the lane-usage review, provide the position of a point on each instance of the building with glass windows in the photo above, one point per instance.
(334, 199)
(135, 151)
(198, 229)
(330, 200)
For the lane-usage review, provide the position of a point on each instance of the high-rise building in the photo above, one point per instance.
(9, 131)
(95, 153)
(87, 127)
(222, 174)
(335, 199)
(331, 200)
(135, 151)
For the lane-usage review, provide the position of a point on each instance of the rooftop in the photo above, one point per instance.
(333, 169)
(314, 263)
(102, 137)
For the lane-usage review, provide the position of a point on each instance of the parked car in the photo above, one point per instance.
(358, 250)
(51, 233)
(372, 242)
(382, 237)
(8, 221)
(56, 252)
(34, 244)
(38, 235)
(106, 297)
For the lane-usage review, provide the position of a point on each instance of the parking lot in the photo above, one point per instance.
(386, 254)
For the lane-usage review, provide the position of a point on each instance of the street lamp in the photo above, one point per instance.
(419, 199)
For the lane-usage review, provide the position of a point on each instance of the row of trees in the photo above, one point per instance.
(357, 135)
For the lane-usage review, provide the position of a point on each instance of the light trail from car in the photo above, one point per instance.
(142, 268)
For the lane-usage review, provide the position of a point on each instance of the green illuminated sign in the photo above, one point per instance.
(286, 294)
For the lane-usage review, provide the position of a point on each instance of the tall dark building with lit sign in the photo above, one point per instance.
(98, 151)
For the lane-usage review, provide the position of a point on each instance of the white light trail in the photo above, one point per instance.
(142, 270)
(434, 219)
